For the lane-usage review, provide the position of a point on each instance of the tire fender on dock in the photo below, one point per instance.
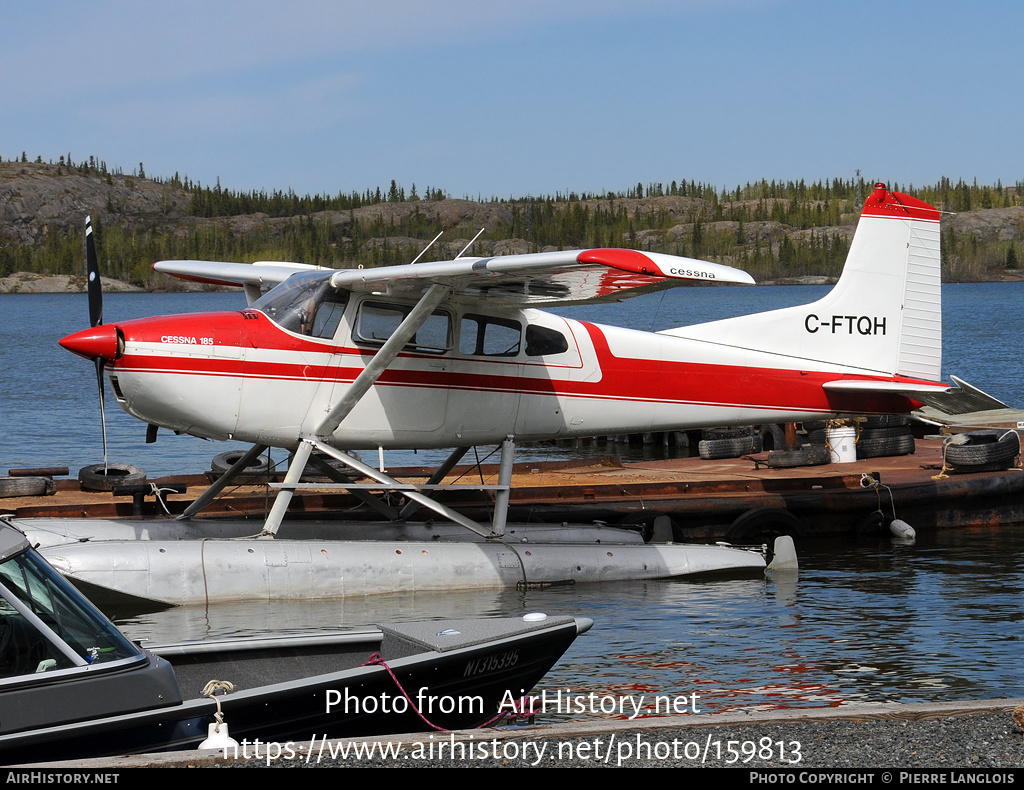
(986, 450)
(104, 477)
(763, 521)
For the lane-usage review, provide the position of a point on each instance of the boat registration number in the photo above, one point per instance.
(491, 663)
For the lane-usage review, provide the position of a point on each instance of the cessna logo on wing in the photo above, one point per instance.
(846, 324)
(691, 273)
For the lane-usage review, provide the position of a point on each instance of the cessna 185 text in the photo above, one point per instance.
(453, 353)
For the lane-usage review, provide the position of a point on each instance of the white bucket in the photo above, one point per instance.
(843, 444)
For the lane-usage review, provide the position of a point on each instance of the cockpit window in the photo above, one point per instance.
(377, 321)
(305, 303)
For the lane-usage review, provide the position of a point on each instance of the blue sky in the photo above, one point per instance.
(510, 99)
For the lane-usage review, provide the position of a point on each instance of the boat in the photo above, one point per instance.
(72, 686)
(163, 562)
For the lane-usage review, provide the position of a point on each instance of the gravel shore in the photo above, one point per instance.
(977, 736)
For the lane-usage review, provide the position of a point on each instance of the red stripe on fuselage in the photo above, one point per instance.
(775, 389)
(621, 378)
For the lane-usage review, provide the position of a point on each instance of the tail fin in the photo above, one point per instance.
(883, 317)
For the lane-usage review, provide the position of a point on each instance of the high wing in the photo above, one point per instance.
(261, 273)
(534, 279)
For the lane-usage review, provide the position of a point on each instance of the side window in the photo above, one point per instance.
(541, 341)
(378, 321)
(328, 315)
(487, 336)
(24, 648)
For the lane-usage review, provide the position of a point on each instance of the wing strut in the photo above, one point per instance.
(367, 378)
(373, 370)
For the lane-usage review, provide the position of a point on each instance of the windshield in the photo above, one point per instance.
(35, 600)
(305, 303)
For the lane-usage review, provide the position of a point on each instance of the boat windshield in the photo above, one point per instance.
(45, 624)
(305, 303)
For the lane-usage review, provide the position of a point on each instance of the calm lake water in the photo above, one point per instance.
(863, 621)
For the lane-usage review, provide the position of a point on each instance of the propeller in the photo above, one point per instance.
(95, 290)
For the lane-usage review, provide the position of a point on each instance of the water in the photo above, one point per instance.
(864, 621)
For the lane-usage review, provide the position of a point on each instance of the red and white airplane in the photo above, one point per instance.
(453, 353)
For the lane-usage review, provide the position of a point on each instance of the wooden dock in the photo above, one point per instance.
(736, 499)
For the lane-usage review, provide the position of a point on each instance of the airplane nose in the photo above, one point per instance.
(105, 341)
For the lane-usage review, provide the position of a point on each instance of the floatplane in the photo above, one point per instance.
(456, 354)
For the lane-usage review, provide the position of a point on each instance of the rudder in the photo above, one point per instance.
(883, 317)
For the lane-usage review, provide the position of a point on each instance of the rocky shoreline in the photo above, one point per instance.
(29, 283)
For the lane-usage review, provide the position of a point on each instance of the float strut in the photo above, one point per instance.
(284, 496)
(508, 452)
(222, 482)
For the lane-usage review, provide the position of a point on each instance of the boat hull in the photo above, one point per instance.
(458, 681)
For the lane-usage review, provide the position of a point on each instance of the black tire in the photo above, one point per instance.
(808, 455)
(887, 432)
(96, 478)
(26, 486)
(982, 450)
(872, 524)
(715, 449)
(886, 420)
(883, 448)
(258, 467)
(773, 437)
(764, 522)
(819, 438)
(713, 434)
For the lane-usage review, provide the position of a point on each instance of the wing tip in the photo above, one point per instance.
(662, 265)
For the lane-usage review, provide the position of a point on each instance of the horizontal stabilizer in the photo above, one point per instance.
(961, 399)
(964, 399)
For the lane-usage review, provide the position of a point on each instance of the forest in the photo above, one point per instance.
(773, 229)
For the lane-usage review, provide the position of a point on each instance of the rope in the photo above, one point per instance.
(523, 710)
(960, 438)
(210, 690)
(377, 660)
(157, 492)
(867, 481)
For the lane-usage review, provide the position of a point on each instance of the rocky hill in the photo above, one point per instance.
(785, 232)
